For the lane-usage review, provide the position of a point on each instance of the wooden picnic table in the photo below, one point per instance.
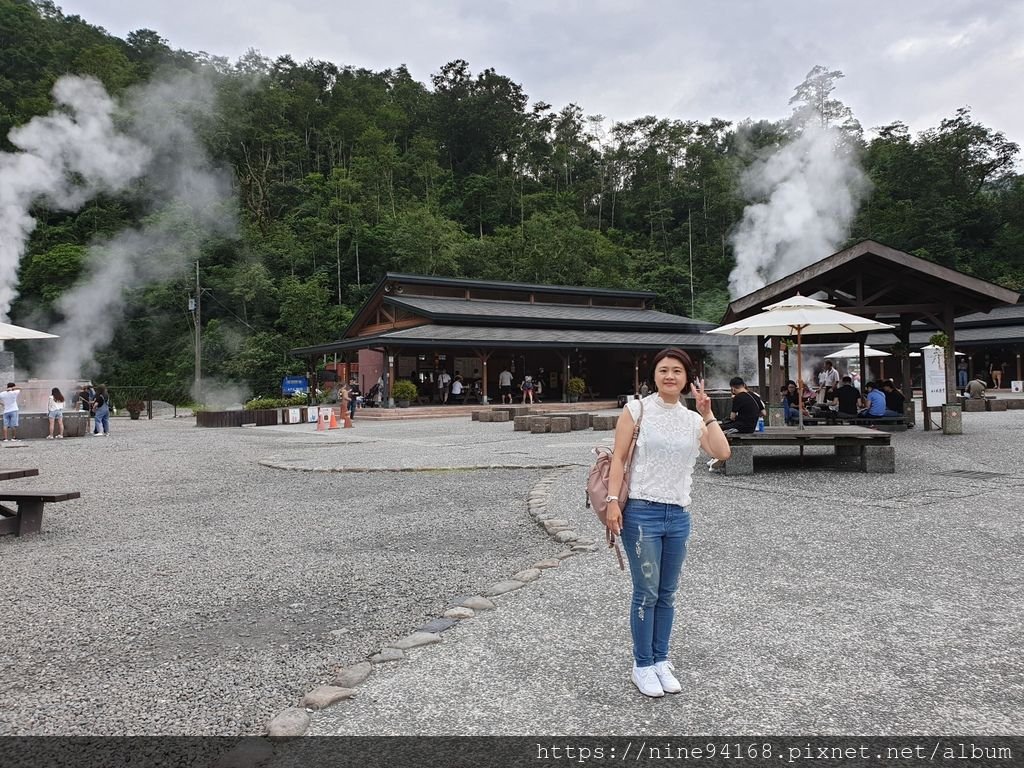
(871, 447)
(14, 474)
(28, 517)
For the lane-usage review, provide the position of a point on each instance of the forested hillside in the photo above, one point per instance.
(342, 174)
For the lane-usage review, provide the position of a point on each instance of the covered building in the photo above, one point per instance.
(413, 327)
(916, 296)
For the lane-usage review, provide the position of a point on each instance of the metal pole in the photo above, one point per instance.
(198, 386)
(689, 230)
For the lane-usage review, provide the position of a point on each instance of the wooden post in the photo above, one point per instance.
(636, 373)
(390, 361)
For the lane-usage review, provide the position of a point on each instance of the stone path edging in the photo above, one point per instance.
(295, 721)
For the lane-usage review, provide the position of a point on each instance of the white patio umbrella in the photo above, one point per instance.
(853, 351)
(10, 332)
(797, 316)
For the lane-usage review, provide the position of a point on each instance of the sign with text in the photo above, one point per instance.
(294, 385)
(934, 361)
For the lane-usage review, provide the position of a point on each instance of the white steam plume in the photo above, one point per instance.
(189, 200)
(809, 191)
(65, 159)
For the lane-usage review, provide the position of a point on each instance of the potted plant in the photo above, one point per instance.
(404, 392)
(135, 408)
(575, 387)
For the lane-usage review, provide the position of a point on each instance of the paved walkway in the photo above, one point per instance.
(813, 602)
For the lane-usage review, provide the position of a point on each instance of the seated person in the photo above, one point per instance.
(747, 408)
(847, 398)
(976, 388)
(457, 388)
(894, 399)
(875, 399)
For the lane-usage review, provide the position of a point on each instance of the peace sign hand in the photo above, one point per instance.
(701, 399)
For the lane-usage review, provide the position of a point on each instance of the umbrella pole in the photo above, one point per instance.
(799, 376)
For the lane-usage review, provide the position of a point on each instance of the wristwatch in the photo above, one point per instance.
(609, 499)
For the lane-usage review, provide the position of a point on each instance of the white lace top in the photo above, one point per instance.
(666, 451)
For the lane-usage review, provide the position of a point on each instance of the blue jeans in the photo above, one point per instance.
(102, 419)
(654, 536)
(961, 379)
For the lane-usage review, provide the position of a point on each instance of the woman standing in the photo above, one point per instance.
(102, 411)
(55, 413)
(655, 523)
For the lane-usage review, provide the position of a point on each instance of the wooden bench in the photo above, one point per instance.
(15, 474)
(868, 450)
(28, 517)
(886, 423)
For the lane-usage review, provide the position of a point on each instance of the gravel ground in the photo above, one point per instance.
(193, 591)
(813, 602)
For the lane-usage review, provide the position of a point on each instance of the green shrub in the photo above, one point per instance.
(260, 403)
(404, 389)
(576, 386)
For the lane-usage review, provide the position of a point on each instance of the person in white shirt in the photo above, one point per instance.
(457, 388)
(55, 413)
(828, 382)
(444, 382)
(655, 523)
(9, 398)
(505, 385)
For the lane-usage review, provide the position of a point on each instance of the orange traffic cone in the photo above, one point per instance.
(321, 421)
(334, 421)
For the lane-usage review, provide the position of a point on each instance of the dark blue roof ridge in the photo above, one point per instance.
(535, 287)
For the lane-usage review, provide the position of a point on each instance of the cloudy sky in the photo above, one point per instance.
(910, 60)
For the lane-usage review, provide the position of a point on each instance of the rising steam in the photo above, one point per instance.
(80, 151)
(66, 158)
(808, 193)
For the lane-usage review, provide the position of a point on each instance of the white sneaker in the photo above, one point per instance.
(646, 680)
(669, 684)
(49, 437)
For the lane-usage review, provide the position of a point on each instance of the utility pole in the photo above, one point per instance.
(198, 386)
(689, 231)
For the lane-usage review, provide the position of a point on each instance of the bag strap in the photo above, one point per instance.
(609, 536)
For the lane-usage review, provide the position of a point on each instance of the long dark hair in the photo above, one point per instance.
(677, 354)
(57, 396)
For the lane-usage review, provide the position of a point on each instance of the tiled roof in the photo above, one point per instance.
(476, 336)
(540, 312)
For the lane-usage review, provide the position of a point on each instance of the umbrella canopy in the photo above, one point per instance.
(797, 316)
(853, 351)
(10, 332)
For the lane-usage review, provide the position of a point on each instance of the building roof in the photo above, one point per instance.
(874, 280)
(542, 314)
(521, 338)
(462, 282)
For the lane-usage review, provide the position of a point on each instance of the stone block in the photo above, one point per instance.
(499, 416)
(521, 424)
(580, 421)
(878, 459)
(485, 416)
(602, 423)
(561, 424)
(540, 424)
(995, 405)
(741, 462)
(475, 416)
(952, 420)
(973, 405)
(1016, 404)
